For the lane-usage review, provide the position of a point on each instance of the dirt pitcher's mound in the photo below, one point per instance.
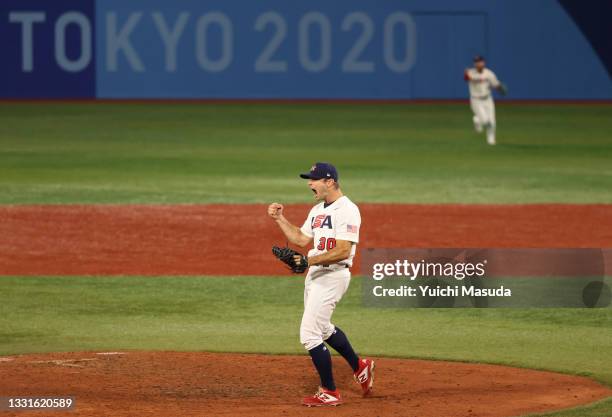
(206, 384)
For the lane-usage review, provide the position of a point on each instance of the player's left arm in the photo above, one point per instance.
(503, 90)
(498, 85)
(341, 252)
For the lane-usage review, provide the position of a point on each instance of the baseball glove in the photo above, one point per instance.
(503, 89)
(286, 255)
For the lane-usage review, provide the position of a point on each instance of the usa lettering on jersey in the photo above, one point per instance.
(322, 220)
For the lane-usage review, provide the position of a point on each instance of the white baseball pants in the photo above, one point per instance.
(484, 116)
(323, 289)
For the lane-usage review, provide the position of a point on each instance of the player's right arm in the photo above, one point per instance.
(293, 233)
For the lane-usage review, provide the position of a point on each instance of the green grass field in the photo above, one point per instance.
(231, 153)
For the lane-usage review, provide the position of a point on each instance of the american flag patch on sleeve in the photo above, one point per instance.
(352, 229)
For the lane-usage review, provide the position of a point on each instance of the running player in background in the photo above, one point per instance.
(480, 81)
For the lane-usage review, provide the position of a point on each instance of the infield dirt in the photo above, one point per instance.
(206, 384)
(237, 239)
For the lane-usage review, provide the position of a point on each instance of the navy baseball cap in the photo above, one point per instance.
(321, 170)
(478, 58)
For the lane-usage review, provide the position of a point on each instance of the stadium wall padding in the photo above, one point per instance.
(357, 49)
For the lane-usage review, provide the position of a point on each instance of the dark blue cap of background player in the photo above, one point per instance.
(321, 170)
(478, 58)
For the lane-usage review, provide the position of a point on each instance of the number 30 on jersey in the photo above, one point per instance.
(326, 243)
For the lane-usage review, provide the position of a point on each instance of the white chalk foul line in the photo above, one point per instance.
(67, 362)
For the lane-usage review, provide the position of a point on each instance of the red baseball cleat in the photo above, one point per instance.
(365, 375)
(323, 397)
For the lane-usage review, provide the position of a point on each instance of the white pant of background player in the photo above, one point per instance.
(324, 288)
(484, 116)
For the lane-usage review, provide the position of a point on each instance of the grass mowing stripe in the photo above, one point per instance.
(236, 153)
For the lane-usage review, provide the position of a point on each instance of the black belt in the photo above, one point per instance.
(482, 98)
(327, 266)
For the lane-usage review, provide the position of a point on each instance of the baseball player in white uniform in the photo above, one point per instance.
(332, 226)
(480, 81)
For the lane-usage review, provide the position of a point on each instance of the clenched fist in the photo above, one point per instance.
(275, 210)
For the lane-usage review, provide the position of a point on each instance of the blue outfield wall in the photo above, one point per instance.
(345, 49)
